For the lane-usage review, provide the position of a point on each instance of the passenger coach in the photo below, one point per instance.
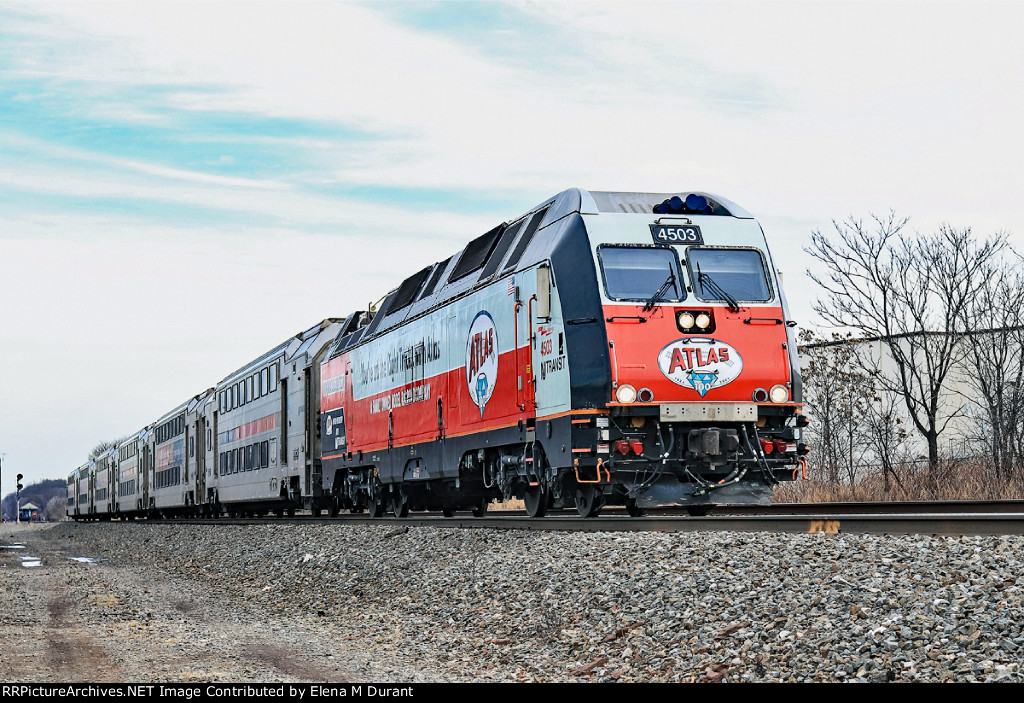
(263, 434)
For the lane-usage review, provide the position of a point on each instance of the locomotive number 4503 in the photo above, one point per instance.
(677, 234)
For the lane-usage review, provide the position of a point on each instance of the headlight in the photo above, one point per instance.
(779, 394)
(685, 320)
(703, 320)
(625, 393)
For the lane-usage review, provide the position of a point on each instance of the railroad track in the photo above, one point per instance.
(937, 507)
(927, 518)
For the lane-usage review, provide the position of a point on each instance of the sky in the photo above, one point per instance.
(183, 186)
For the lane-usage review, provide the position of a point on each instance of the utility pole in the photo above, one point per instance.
(2, 455)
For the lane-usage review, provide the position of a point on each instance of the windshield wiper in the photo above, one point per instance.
(661, 291)
(705, 279)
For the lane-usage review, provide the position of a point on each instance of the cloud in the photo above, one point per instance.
(848, 102)
(294, 160)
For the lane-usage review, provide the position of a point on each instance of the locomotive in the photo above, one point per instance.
(605, 348)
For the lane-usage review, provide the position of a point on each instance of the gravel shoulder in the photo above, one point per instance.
(131, 618)
(340, 603)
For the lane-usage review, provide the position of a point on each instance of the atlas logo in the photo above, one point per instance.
(482, 360)
(700, 363)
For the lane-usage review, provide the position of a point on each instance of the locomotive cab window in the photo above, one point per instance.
(720, 274)
(640, 273)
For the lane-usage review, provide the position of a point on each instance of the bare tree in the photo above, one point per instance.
(996, 373)
(911, 293)
(884, 424)
(104, 446)
(55, 509)
(838, 396)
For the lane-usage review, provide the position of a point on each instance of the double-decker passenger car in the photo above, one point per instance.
(78, 492)
(128, 476)
(102, 471)
(264, 448)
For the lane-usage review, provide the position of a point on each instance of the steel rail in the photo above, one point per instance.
(944, 507)
(892, 524)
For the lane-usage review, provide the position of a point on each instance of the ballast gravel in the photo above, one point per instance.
(443, 604)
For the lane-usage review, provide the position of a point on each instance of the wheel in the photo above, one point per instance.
(588, 501)
(377, 506)
(377, 495)
(698, 510)
(399, 504)
(448, 511)
(480, 509)
(316, 511)
(279, 512)
(291, 512)
(536, 500)
(335, 509)
(632, 509)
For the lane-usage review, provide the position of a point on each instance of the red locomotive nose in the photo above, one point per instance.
(622, 447)
(767, 446)
(637, 447)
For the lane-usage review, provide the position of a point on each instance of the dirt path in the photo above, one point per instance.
(74, 621)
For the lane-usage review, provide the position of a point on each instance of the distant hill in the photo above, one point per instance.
(41, 494)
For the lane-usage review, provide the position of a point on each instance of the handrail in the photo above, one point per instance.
(600, 465)
(615, 365)
(515, 353)
(529, 350)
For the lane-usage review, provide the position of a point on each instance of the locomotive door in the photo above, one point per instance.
(441, 382)
(530, 381)
(526, 395)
